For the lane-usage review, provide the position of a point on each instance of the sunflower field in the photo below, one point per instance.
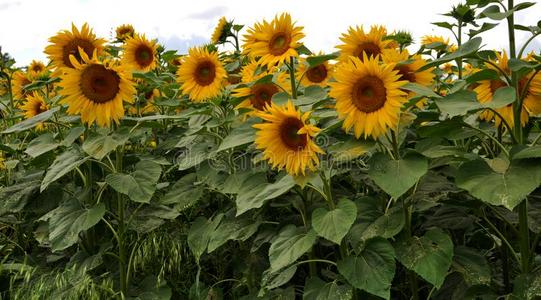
(254, 167)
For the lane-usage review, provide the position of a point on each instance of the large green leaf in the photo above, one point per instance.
(200, 232)
(68, 220)
(386, 226)
(140, 185)
(371, 270)
(396, 177)
(241, 135)
(32, 122)
(430, 256)
(472, 265)
(335, 224)
(239, 229)
(466, 49)
(290, 244)
(16, 196)
(184, 193)
(317, 289)
(271, 280)
(459, 103)
(63, 164)
(102, 142)
(262, 193)
(350, 149)
(42, 144)
(507, 187)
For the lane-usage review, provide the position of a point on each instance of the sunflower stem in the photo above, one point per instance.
(292, 78)
(459, 42)
(121, 232)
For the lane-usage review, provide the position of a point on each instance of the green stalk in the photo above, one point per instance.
(459, 42)
(412, 278)
(292, 78)
(121, 231)
(524, 234)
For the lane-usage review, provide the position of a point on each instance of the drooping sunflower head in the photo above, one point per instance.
(139, 53)
(34, 105)
(36, 69)
(18, 83)
(438, 42)
(201, 75)
(368, 96)
(96, 90)
(286, 138)
(274, 42)
(315, 75)
(221, 32)
(408, 67)
(67, 43)
(357, 42)
(124, 31)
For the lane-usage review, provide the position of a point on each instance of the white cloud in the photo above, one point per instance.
(182, 23)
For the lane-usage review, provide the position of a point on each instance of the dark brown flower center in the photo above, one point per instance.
(205, 72)
(405, 73)
(37, 68)
(317, 74)
(72, 48)
(39, 107)
(289, 135)
(262, 94)
(143, 55)
(99, 84)
(369, 48)
(279, 43)
(369, 94)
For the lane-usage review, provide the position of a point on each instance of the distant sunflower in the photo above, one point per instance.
(286, 139)
(407, 69)
(201, 74)
(66, 43)
(147, 105)
(124, 31)
(368, 96)
(433, 39)
(139, 53)
(221, 32)
(95, 90)
(36, 69)
(357, 42)
(275, 42)
(316, 75)
(34, 106)
(18, 82)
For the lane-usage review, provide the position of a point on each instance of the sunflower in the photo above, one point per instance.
(250, 39)
(201, 74)
(147, 106)
(407, 69)
(34, 106)
(66, 43)
(36, 69)
(18, 82)
(316, 75)
(368, 96)
(357, 42)
(432, 39)
(532, 98)
(286, 139)
(139, 53)
(259, 95)
(221, 32)
(124, 31)
(275, 42)
(95, 90)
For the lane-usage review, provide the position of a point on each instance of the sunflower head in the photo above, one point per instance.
(19, 81)
(202, 75)
(36, 69)
(286, 138)
(67, 43)
(34, 105)
(96, 90)
(139, 53)
(274, 42)
(124, 31)
(368, 96)
(315, 75)
(221, 32)
(357, 43)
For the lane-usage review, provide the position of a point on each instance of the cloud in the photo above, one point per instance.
(209, 13)
(182, 44)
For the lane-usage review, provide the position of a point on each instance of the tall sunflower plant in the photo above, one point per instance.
(252, 167)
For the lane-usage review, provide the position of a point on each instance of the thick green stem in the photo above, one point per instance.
(524, 236)
(292, 78)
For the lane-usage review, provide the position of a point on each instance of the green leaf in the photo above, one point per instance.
(466, 49)
(261, 193)
(350, 149)
(396, 177)
(335, 224)
(199, 234)
(502, 97)
(195, 154)
(371, 270)
(317, 289)
(312, 94)
(459, 103)
(516, 65)
(443, 25)
(317, 60)
(62, 165)
(472, 265)
(526, 152)
(99, 144)
(484, 27)
(72, 135)
(244, 134)
(493, 12)
(32, 122)
(184, 193)
(420, 90)
(387, 225)
(290, 244)
(42, 144)
(486, 74)
(239, 229)
(140, 185)
(507, 187)
(68, 220)
(16, 196)
(280, 98)
(271, 280)
(430, 256)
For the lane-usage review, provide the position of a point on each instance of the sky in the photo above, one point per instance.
(26, 25)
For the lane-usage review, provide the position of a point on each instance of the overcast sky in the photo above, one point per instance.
(27, 24)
